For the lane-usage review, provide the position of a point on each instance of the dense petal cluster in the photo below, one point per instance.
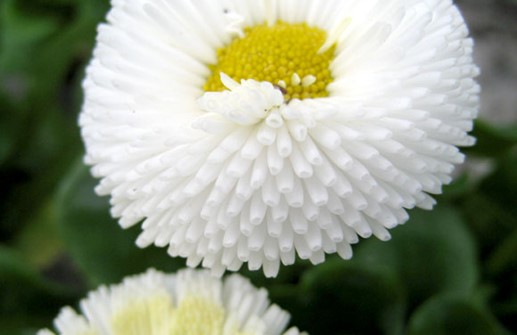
(245, 175)
(189, 302)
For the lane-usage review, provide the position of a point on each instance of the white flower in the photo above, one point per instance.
(254, 130)
(189, 302)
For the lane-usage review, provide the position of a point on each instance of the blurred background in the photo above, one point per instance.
(452, 270)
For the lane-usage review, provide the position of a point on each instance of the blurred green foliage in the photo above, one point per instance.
(452, 270)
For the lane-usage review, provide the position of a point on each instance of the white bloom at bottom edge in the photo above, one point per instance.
(189, 302)
(256, 131)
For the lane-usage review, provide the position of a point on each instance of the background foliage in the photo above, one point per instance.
(449, 271)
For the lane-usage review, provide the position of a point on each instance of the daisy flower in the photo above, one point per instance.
(260, 130)
(189, 302)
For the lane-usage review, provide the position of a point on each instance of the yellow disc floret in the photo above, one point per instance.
(195, 316)
(151, 315)
(286, 55)
(156, 315)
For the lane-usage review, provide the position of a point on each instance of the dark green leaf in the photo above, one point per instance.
(43, 139)
(493, 141)
(8, 127)
(101, 248)
(342, 297)
(491, 208)
(432, 253)
(8, 327)
(22, 32)
(507, 311)
(13, 268)
(449, 314)
(460, 187)
(502, 184)
(26, 297)
(38, 241)
(487, 219)
(504, 258)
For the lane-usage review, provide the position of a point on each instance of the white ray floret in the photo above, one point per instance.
(244, 175)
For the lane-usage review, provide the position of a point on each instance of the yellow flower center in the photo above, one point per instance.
(286, 55)
(156, 315)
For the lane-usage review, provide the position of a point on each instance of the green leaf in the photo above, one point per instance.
(507, 312)
(460, 187)
(491, 208)
(504, 258)
(493, 141)
(342, 297)
(8, 126)
(22, 32)
(13, 268)
(8, 329)
(39, 242)
(450, 314)
(43, 137)
(502, 183)
(487, 219)
(432, 253)
(27, 298)
(102, 249)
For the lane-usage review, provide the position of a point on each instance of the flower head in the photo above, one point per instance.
(189, 302)
(257, 130)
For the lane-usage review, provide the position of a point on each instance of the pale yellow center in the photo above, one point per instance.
(157, 316)
(286, 55)
(89, 332)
